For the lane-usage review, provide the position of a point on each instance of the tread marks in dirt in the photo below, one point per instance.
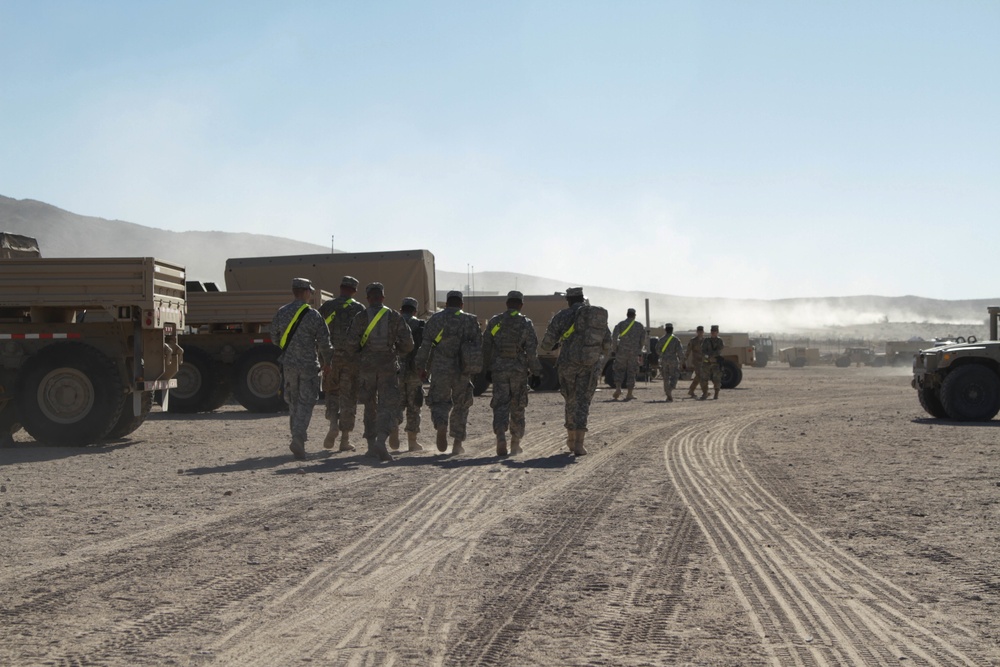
(810, 602)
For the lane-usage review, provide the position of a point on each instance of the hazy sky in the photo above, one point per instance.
(700, 148)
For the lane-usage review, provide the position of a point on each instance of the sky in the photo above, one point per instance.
(762, 149)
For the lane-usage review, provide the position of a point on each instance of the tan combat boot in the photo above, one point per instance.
(571, 440)
(345, 442)
(330, 441)
(618, 392)
(580, 449)
(394, 438)
(411, 438)
(457, 448)
(629, 396)
(501, 444)
(515, 444)
(442, 439)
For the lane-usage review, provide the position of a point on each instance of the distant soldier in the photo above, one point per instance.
(377, 337)
(711, 369)
(299, 330)
(340, 382)
(671, 354)
(582, 332)
(411, 380)
(449, 336)
(694, 359)
(510, 353)
(627, 342)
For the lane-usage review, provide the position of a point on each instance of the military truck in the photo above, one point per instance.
(859, 356)
(737, 353)
(902, 352)
(84, 343)
(798, 356)
(228, 349)
(763, 349)
(961, 380)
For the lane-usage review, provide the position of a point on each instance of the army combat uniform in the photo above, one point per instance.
(671, 354)
(627, 340)
(300, 332)
(340, 382)
(510, 353)
(694, 359)
(411, 383)
(711, 350)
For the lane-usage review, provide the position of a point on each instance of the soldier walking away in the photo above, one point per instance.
(411, 380)
(340, 381)
(581, 330)
(671, 354)
(452, 352)
(711, 368)
(627, 342)
(510, 353)
(694, 358)
(303, 338)
(378, 336)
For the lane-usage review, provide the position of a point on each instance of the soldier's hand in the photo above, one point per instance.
(423, 376)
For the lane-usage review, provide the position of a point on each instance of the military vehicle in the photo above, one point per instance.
(859, 356)
(961, 380)
(85, 342)
(798, 356)
(737, 353)
(228, 349)
(763, 349)
(902, 352)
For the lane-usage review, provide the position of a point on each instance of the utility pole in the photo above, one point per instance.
(331, 244)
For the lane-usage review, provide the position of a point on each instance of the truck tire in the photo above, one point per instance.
(760, 360)
(732, 374)
(930, 401)
(548, 380)
(128, 421)
(971, 393)
(842, 362)
(480, 382)
(257, 380)
(69, 394)
(202, 384)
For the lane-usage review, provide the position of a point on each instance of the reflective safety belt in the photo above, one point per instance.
(622, 334)
(495, 329)
(292, 326)
(437, 339)
(569, 332)
(371, 325)
(667, 342)
(329, 318)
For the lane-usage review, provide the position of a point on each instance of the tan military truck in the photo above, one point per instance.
(961, 380)
(737, 353)
(228, 350)
(84, 343)
(902, 352)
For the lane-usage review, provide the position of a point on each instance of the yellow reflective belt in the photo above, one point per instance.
(495, 329)
(437, 339)
(569, 332)
(626, 329)
(664, 348)
(371, 325)
(288, 329)
(329, 318)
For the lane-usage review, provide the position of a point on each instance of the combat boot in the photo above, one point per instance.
(457, 448)
(394, 438)
(330, 441)
(580, 449)
(515, 444)
(703, 396)
(571, 440)
(442, 438)
(501, 444)
(411, 438)
(380, 451)
(298, 448)
(716, 397)
(345, 442)
(618, 392)
(629, 396)
(670, 396)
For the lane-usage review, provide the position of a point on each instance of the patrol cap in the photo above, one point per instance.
(715, 327)
(631, 312)
(515, 295)
(574, 291)
(669, 326)
(700, 328)
(302, 283)
(455, 294)
(349, 281)
(375, 287)
(411, 302)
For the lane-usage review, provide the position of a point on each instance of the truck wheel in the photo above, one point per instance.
(732, 374)
(202, 385)
(971, 394)
(129, 422)
(69, 394)
(549, 379)
(480, 382)
(842, 362)
(930, 401)
(760, 360)
(257, 380)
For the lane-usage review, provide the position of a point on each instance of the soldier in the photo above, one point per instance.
(711, 368)
(300, 332)
(510, 354)
(340, 382)
(577, 329)
(694, 358)
(671, 354)
(441, 351)
(411, 380)
(377, 337)
(627, 341)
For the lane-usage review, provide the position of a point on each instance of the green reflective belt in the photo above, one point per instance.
(329, 318)
(495, 329)
(437, 339)
(290, 329)
(622, 334)
(371, 325)
(664, 348)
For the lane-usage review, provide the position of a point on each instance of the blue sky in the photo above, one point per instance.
(737, 149)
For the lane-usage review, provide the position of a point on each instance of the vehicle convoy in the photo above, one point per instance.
(85, 342)
(228, 350)
(961, 380)
(737, 353)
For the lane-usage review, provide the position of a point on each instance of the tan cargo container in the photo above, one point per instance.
(796, 357)
(85, 342)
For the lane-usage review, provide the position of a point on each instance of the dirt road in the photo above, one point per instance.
(810, 517)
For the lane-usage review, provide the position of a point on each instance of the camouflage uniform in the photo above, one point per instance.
(410, 380)
(340, 383)
(378, 377)
(694, 359)
(577, 381)
(671, 354)
(628, 339)
(450, 391)
(510, 353)
(300, 365)
(711, 369)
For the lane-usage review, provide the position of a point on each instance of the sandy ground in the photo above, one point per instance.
(811, 516)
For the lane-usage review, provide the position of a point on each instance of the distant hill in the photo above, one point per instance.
(64, 234)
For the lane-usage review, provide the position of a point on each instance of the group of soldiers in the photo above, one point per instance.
(382, 358)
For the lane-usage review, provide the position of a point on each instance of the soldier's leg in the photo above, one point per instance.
(518, 404)
(587, 379)
(462, 398)
(296, 421)
(500, 403)
(387, 409)
(367, 394)
(439, 400)
(716, 380)
(348, 385)
(618, 368)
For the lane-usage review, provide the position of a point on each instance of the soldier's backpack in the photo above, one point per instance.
(590, 327)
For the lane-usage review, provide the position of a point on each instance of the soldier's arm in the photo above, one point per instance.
(431, 329)
(553, 332)
(322, 338)
(354, 331)
(488, 343)
(531, 348)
